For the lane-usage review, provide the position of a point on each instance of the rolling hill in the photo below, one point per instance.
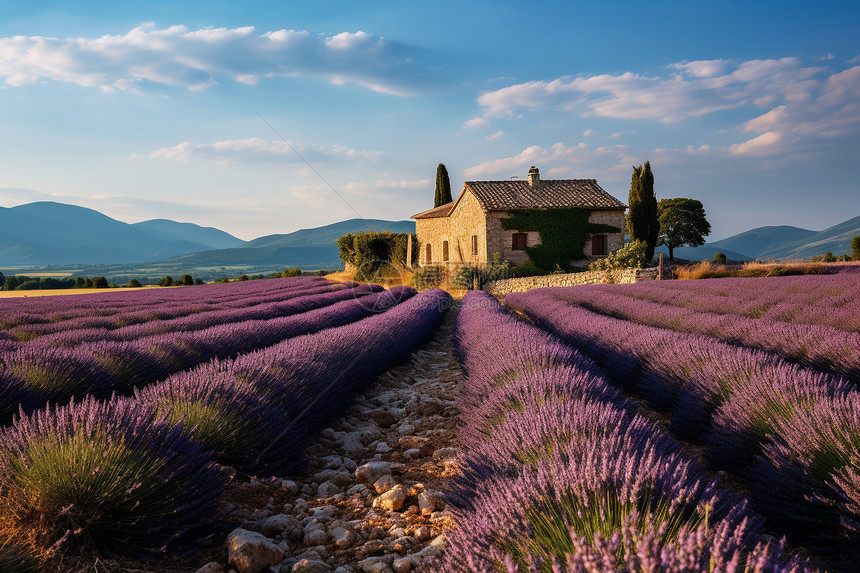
(168, 230)
(780, 243)
(49, 233)
(306, 248)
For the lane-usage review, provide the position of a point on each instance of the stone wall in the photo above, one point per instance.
(625, 276)
(501, 240)
(614, 241)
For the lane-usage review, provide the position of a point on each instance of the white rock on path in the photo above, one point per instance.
(368, 473)
(251, 552)
(392, 499)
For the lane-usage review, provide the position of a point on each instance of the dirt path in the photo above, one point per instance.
(369, 500)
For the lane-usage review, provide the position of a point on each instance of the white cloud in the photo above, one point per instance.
(496, 135)
(787, 103)
(555, 159)
(761, 145)
(476, 122)
(256, 150)
(698, 89)
(703, 68)
(197, 59)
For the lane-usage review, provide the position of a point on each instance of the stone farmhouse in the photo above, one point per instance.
(470, 229)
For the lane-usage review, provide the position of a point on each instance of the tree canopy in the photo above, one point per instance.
(855, 248)
(682, 223)
(642, 220)
(443, 186)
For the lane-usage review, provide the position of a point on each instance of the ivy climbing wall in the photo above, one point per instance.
(562, 234)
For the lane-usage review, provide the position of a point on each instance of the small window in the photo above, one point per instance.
(474, 245)
(429, 256)
(445, 251)
(519, 241)
(598, 246)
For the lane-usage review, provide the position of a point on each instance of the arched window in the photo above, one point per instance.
(445, 251)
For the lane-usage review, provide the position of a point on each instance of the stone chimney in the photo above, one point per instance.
(534, 176)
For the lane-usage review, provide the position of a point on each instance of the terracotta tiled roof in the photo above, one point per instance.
(504, 195)
(440, 211)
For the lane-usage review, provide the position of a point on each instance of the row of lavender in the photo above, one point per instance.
(143, 474)
(792, 434)
(822, 347)
(34, 373)
(70, 333)
(47, 315)
(561, 474)
(826, 300)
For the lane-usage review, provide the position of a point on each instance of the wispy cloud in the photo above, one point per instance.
(198, 59)
(690, 90)
(788, 104)
(256, 150)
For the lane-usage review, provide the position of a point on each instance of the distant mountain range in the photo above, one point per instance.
(306, 248)
(49, 234)
(780, 243)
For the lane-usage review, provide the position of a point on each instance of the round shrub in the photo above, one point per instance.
(103, 477)
(719, 259)
(630, 256)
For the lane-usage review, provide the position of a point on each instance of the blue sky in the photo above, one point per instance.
(267, 117)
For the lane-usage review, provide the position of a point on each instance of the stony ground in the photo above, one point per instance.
(370, 500)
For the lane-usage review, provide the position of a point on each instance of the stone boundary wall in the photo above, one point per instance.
(625, 276)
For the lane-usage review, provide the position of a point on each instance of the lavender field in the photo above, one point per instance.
(120, 412)
(708, 425)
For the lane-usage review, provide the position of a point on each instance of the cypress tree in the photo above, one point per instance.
(443, 187)
(642, 220)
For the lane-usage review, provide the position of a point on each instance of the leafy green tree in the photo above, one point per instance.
(2, 280)
(855, 248)
(186, 280)
(682, 223)
(242, 278)
(166, 281)
(720, 259)
(11, 283)
(134, 283)
(443, 186)
(100, 282)
(88, 283)
(287, 273)
(80, 282)
(642, 219)
(199, 282)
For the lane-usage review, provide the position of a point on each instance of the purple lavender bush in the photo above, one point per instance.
(104, 477)
(566, 476)
(807, 477)
(235, 421)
